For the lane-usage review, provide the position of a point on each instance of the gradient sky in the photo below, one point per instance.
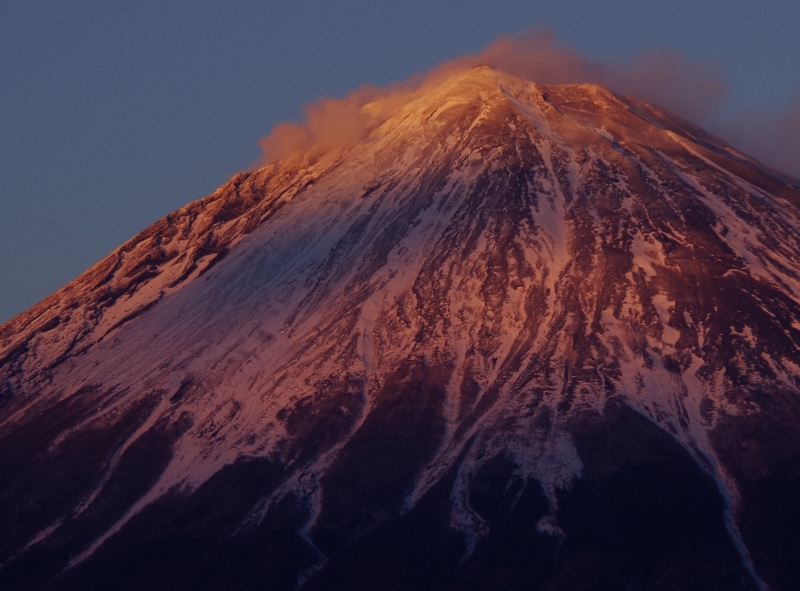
(114, 114)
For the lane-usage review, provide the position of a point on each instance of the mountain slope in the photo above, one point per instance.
(518, 335)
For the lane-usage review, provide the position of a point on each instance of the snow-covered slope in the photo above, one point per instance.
(503, 297)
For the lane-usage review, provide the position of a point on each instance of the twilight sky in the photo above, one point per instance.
(114, 114)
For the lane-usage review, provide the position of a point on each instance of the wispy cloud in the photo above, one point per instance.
(772, 137)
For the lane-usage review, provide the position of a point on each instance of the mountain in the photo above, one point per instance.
(517, 337)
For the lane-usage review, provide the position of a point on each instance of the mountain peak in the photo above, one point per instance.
(508, 303)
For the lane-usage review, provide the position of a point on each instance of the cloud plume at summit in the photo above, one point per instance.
(668, 79)
(695, 90)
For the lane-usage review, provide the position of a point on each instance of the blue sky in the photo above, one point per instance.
(114, 114)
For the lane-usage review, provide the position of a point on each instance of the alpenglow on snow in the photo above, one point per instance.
(518, 336)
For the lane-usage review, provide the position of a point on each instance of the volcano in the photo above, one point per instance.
(516, 337)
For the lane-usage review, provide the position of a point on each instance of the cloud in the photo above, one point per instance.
(338, 121)
(668, 79)
(772, 137)
(536, 56)
(695, 90)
